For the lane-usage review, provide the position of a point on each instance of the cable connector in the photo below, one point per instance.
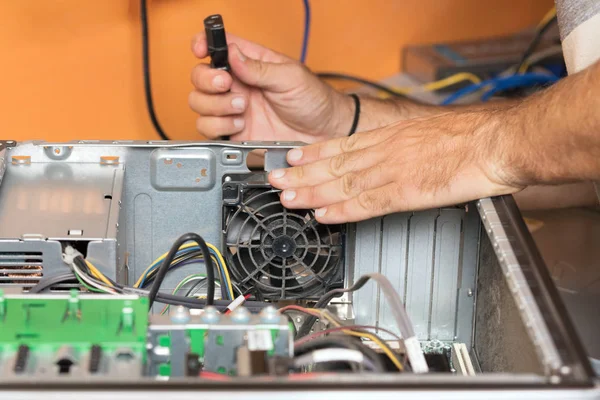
(415, 355)
(70, 254)
(236, 303)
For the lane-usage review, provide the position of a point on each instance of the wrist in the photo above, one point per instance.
(499, 142)
(342, 114)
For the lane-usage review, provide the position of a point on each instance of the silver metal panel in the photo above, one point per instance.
(528, 308)
(3, 152)
(182, 170)
(468, 276)
(367, 259)
(103, 254)
(50, 199)
(223, 337)
(419, 272)
(446, 274)
(51, 252)
(393, 262)
(431, 258)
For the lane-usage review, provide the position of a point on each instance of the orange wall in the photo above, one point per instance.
(71, 69)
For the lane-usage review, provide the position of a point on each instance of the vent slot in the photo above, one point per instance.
(21, 268)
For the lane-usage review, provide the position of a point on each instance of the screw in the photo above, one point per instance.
(210, 315)
(269, 315)
(240, 315)
(470, 292)
(181, 315)
(298, 319)
(565, 370)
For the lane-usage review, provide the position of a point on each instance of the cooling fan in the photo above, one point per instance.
(281, 253)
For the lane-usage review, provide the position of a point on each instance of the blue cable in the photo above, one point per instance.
(518, 81)
(501, 83)
(306, 31)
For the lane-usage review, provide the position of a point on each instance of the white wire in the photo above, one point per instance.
(329, 355)
(89, 281)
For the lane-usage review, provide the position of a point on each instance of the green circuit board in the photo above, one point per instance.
(51, 321)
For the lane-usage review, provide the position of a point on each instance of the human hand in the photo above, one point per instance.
(411, 165)
(272, 97)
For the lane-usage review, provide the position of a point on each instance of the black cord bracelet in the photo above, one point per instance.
(356, 114)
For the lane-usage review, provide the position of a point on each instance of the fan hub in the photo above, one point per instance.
(284, 246)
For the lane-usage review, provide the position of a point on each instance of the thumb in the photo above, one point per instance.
(277, 77)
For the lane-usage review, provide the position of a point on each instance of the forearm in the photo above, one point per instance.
(554, 136)
(377, 113)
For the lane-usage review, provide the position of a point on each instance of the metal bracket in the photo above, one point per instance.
(519, 286)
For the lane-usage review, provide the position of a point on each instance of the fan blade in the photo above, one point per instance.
(241, 229)
(321, 264)
(264, 204)
(276, 273)
(292, 277)
(247, 262)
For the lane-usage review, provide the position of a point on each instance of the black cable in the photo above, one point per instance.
(186, 257)
(47, 283)
(194, 287)
(146, 63)
(535, 42)
(191, 302)
(374, 85)
(343, 342)
(325, 299)
(160, 297)
(164, 267)
(383, 343)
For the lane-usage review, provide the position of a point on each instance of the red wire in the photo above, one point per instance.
(297, 308)
(341, 328)
(214, 376)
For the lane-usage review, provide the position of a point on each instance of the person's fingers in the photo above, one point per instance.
(209, 80)
(200, 45)
(331, 148)
(273, 76)
(368, 204)
(217, 104)
(254, 50)
(336, 191)
(215, 127)
(325, 170)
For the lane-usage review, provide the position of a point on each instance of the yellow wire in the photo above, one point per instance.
(224, 264)
(547, 17)
(376, 340)
(97, 273)
(152, 273)
(451, 80)
(545, 20)
(439, 84)
(325, 314)
(185, 246)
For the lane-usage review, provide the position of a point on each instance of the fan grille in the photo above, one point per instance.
(282, 253)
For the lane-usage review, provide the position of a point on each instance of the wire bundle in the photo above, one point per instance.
(495, 85)
(191, 292)
(190, 253)
(356, 331)
(180, 254)
(411, 343)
